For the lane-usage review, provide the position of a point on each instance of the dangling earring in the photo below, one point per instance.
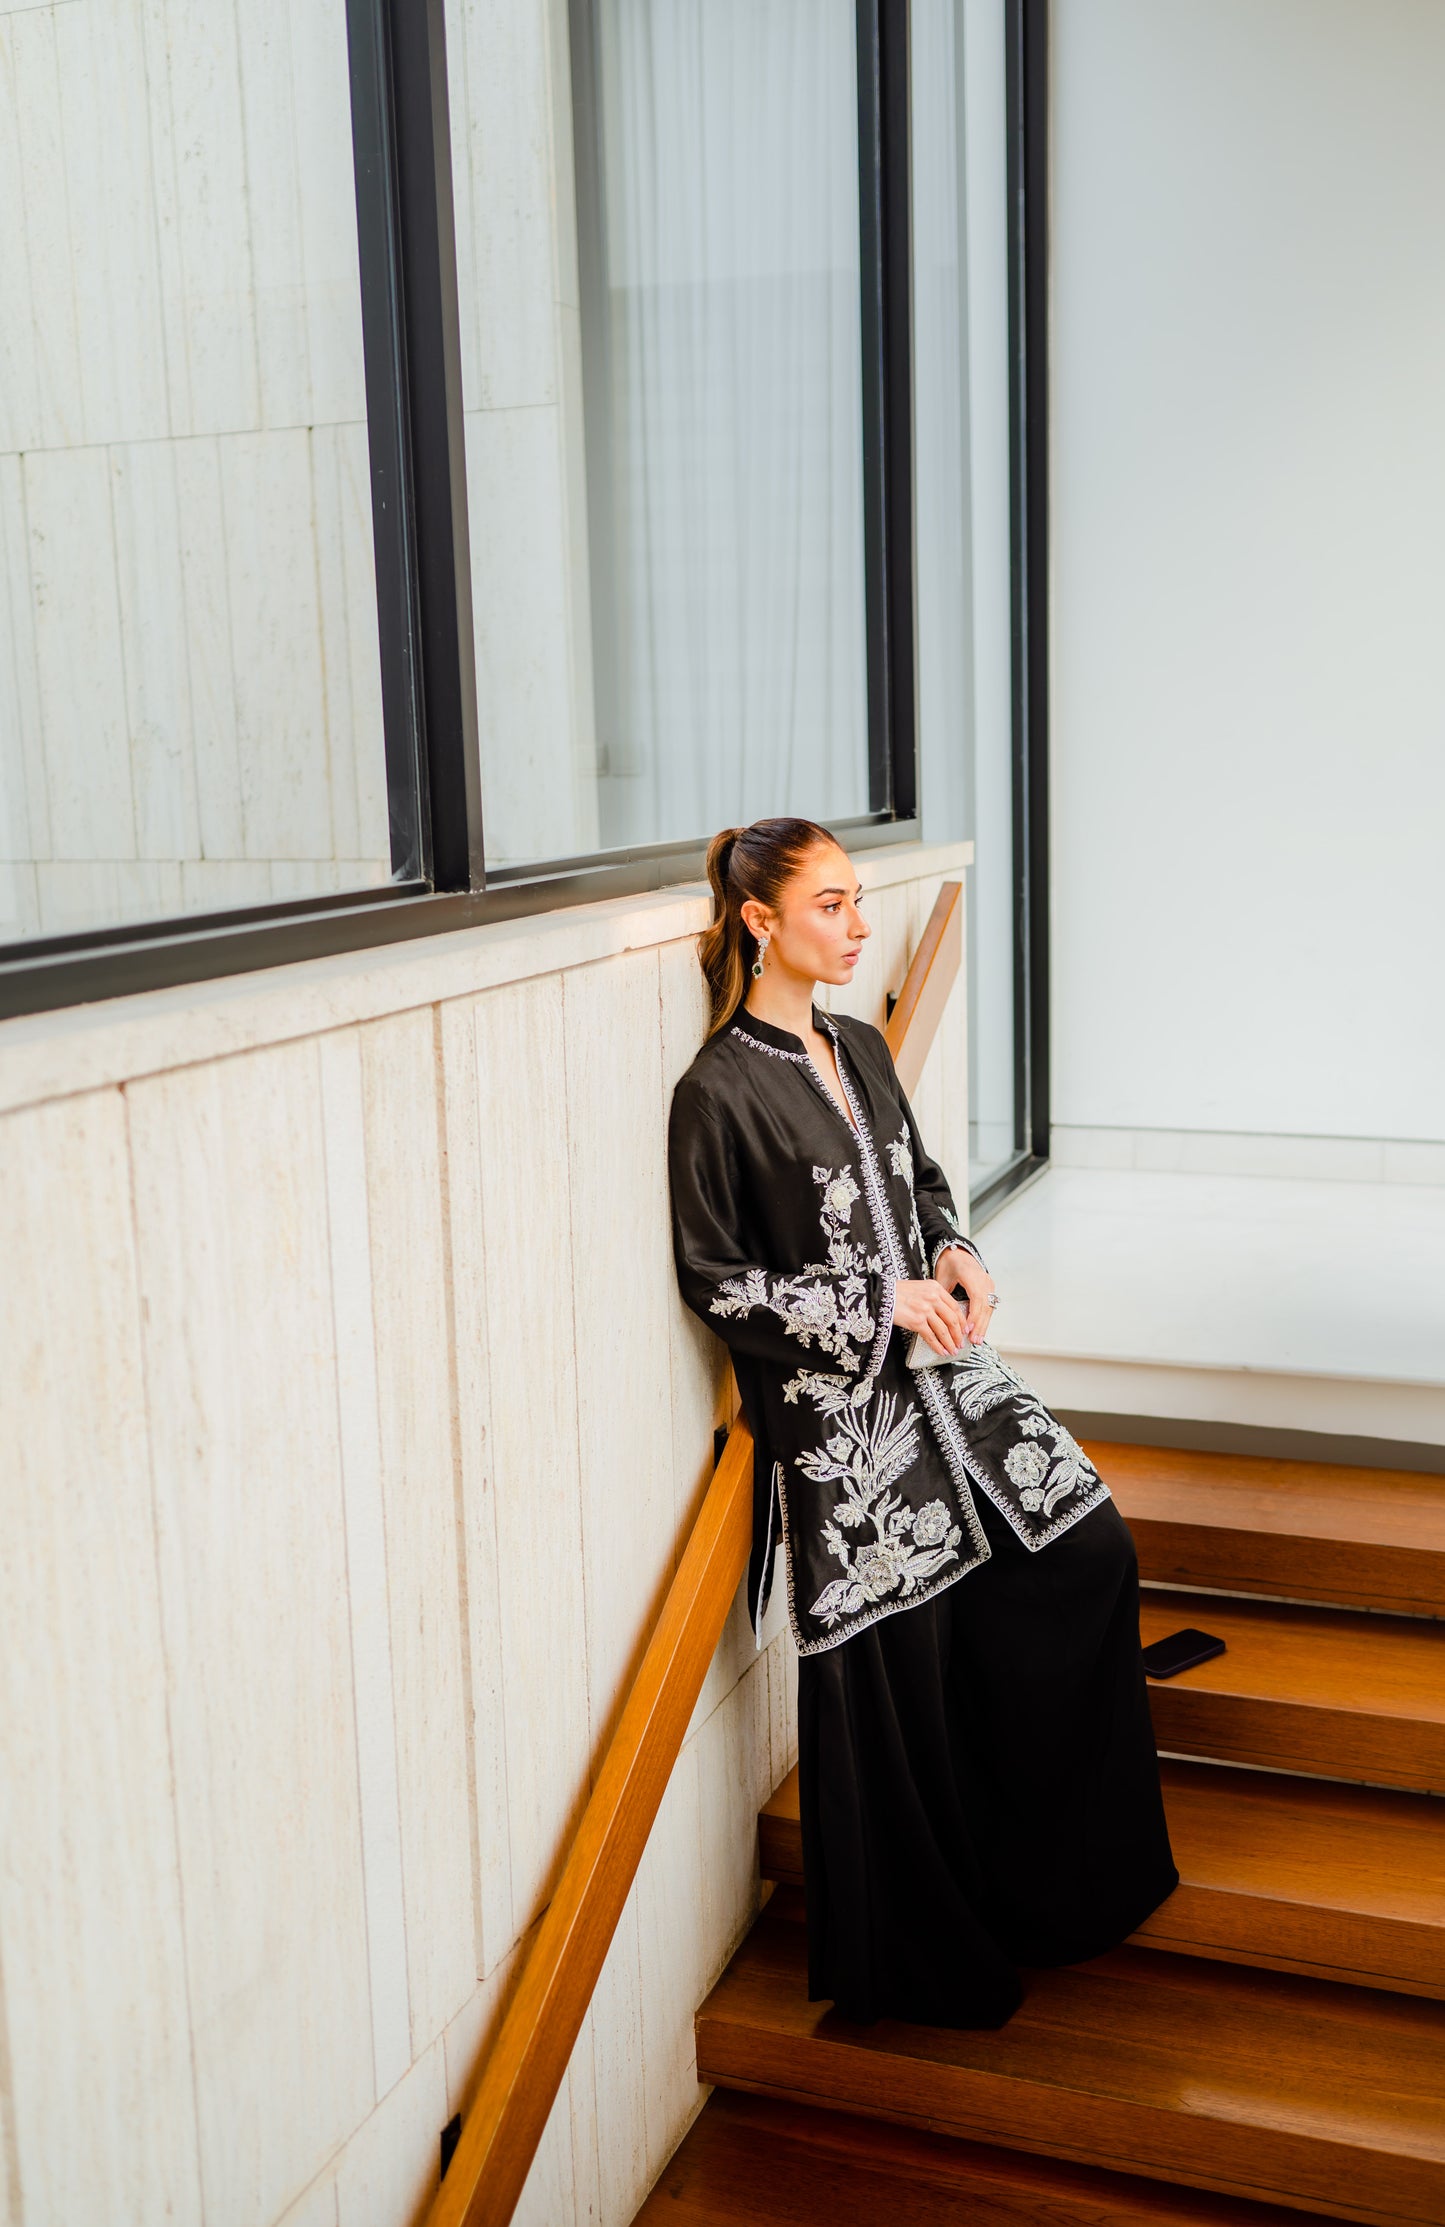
(758, 962)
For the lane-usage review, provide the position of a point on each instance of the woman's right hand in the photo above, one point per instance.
(921, 1304)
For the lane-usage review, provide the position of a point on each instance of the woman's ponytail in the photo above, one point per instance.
(744, 862)
(720, 946)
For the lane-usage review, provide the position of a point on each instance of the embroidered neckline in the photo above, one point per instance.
(805, 1060)
(775, 1050)
(761, 1033)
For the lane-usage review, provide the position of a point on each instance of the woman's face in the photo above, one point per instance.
(817, 933)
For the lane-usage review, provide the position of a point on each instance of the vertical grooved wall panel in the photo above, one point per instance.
(414, 1387)
(527, 1268)
(235, 1274)
(368, 1580)
(91, 1960)
(496, 1932)
(620, 1263)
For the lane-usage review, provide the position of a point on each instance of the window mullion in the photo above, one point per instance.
(885, 220)
(414, 394)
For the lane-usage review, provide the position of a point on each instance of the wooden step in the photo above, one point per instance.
(1254, 2084)
(1313, 1531)
(751, 2162)
(1332, 1692)
(1302, 1875)
(780, 1835)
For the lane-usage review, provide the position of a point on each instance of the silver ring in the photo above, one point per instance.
(993, 1298)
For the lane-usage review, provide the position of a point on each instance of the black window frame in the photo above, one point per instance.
(1026, 31)
(410, 326)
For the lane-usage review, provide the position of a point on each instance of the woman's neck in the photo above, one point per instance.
(782, 1004)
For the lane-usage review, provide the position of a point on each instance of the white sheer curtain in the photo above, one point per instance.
(730, 647)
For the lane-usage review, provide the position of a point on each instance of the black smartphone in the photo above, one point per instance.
(1163, 1658)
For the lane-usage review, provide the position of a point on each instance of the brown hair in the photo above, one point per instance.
(743, 862)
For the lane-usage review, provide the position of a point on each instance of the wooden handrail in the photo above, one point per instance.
(931, 974)
(501, 2131)
(500, 2135)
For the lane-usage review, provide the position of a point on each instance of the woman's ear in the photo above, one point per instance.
(754, 918)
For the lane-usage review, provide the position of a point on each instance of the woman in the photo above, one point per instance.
(977, 1773)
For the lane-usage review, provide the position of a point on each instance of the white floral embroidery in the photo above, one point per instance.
(839, 1193)
(1065, 1468)
(1066, 1464)
(1027, 1464)
(981, 1380)
(932, 1524)
(829, 1394)
(951, 1397)
(900, 1156)
(869, 1449)
(833, 1314)
(833, 1311)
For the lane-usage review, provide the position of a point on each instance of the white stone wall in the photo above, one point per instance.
(350, 1426)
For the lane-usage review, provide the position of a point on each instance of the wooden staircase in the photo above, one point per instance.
(1270, 2045)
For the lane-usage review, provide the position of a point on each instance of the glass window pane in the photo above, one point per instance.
(189, 678)
(665, 447)
(961, 372)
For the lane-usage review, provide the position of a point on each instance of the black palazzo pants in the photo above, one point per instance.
(979, 1784)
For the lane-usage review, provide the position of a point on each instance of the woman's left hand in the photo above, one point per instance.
(959, 1266)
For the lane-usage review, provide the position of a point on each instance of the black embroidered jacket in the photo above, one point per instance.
(790, 1231)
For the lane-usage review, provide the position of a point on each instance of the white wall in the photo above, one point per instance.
(1249, 565)
(350, 1425)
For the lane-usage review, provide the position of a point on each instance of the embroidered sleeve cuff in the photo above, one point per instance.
(879, 1349)
(965, 1244)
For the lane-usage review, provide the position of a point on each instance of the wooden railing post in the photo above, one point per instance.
(931, 975)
